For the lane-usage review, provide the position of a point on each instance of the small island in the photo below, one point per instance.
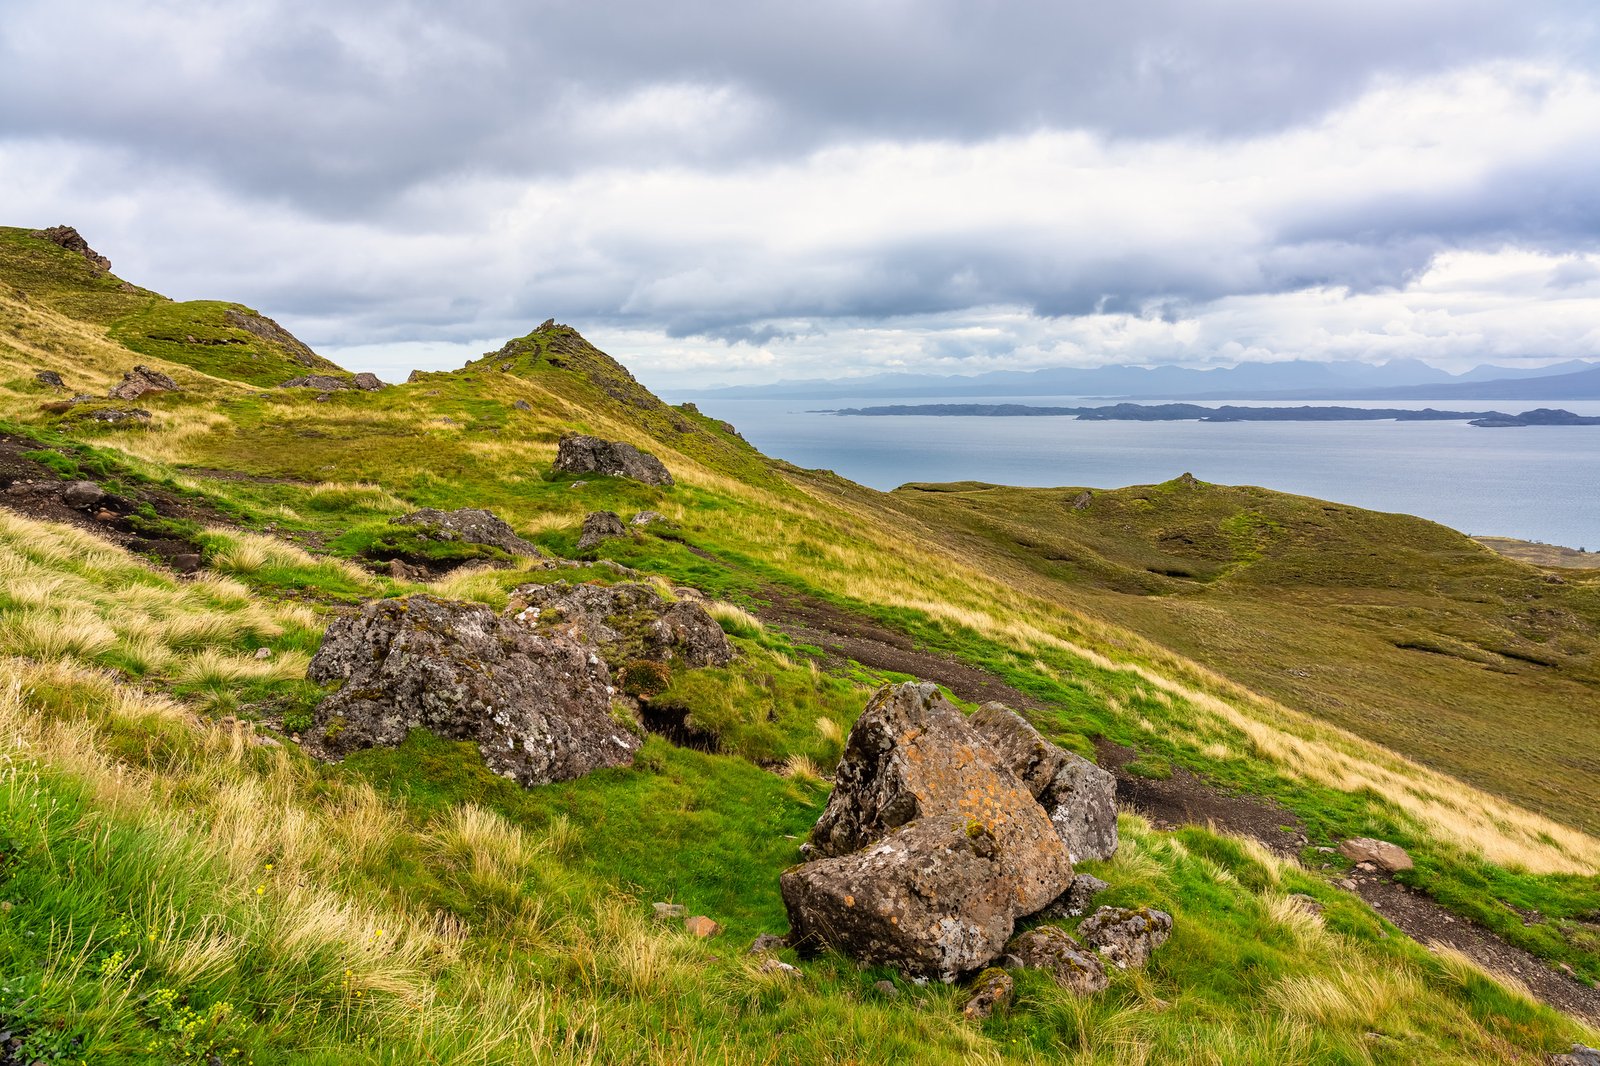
(1189, 412)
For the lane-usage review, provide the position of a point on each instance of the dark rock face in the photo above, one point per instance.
(70, 239)
(522, 405)
(627, 621)
(368, 382)
(1126, 936)
(932, 847)
(469, 525)
(49, 377)
(580, 454)
(140, 380)
(265, 328)
(325, 382)
(1074, 902)
(538, 707)
(599, 526)
(1080, 798)
(1054, 950)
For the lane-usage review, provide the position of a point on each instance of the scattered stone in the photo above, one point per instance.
(401, 570)
(1188, 480)
(117, 415)
(1346, 884)
(538, 707)
(106, 516)
(1580, 1055)
(701, 926)
(263, 653)
(186, 562)
(1082, 500)
(70, 239)
(767, 943)
(469, 525)
(1380, 853)
(1054, 950)
(368, 382)
(600, 526)
(991, 992)
(577, 485)
(1079, 797)
(140, 380)
(887, 989)
(770, 965)
(644, 518)
(325, 382)
(82, 495)
(581, 454)
(1126, 936)
(49, 377)
(522, 405)
(628, 621)
(931, 848)
(1306, 904)
(1075, 901)
(670, 911)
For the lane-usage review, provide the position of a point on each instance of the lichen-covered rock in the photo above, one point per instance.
(912, 754)
(991, 991)
(1075, 901)
(538, 707)
(932, 898)
(645, 518)
(1127, 936)
(578, 453)
(50, 378)
(628, 621)
(368, 382)
(140, 380)
(1069, 962)
(325, 382)
(70, 239)
(599, 526)
(469, 525)
(1080, 797)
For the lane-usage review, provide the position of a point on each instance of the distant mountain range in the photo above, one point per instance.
(1293, 380)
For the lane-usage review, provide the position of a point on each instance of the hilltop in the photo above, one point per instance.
(182, 879)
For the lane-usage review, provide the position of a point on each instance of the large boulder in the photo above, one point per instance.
(600, 526)
(578, 453)
(931, 847)
(933, 899)
(140, 380)
(1381, 853)
(1079, 796)
(323, 382)
(538, 707)
(469, 525)
(629, 621)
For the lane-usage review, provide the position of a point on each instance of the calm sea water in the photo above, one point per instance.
(1536, 483)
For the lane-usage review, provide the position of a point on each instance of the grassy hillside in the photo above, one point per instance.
(1394, 627)
(183, 882)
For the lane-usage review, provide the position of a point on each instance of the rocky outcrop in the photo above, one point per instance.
(70, 239)
(932, 847)
(323, 382)
(1080, 798)
(1380, 853)
(264, 328)
(600, 526)
(140, 380)
(1054, 950)
(627, 622)
(581, 454)
(368, 382)
(537, 706)
(468, 525)
(1126, 936)
(646, 518)
(50, 378)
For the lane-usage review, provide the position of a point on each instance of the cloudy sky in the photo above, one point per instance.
(746, 191)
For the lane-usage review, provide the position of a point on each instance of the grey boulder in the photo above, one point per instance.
(627, 621)
(538, 707)
(140, 380)
(469, 525)
(1126, 936)
(600, 526)
(1055, 951)
(578, 453)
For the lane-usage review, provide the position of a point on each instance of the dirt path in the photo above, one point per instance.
(1184, 798)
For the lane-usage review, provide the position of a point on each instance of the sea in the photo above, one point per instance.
(1536, 483)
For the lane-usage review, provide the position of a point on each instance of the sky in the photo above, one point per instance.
(745, 192)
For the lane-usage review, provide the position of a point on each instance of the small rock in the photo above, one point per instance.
(51, 378)
(1381, 853)
(105, 516)
(670, 911)
(701, 926)
(403, 571)
(1580, 1055)
(767, 943)
(777, 966)
(644, 518)
(368, 382)
(263, 653)
(577, 485)
(1346, 884)
(1056, 952)
(1303, 902)
(599, 526)
(1082, 500)
(886, 989)
(1126, 936)
(188, 563)
(522, 405)
(469, 525)
(82, 494)
(6, 906)
(992, 991)
(140, 380)
(1076, 899)
(115, 415)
